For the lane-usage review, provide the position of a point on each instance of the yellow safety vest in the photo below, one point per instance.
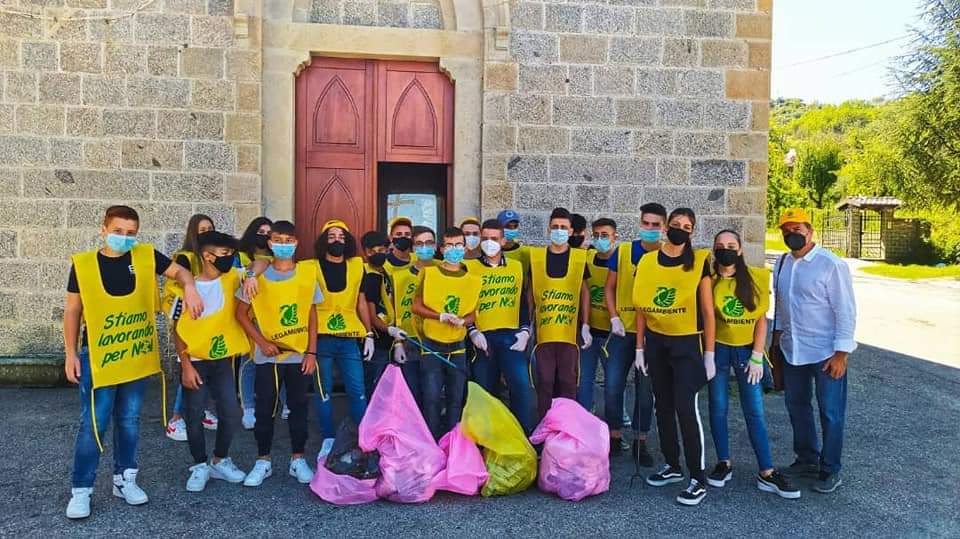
(557, 300)
(391, 268)
(387, 315)
(448, 294)
(522, 255)
(245, 259)
(121, 330)
(337, 314)
(171, 288)
(218, 335)
(626, 270)
(668, 296)
(400, 306)
(599, 316)
(282, 308)
(500, 292)
(735, 324)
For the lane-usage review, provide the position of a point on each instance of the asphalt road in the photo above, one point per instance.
(900, 479)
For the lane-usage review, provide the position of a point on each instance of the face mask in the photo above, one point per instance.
(120, 243)
(336, 248)
(795, 241)
(650, 236)
(453, 255)
(402, 243)
(559, 236)
(260, 240)
(472, 242)
(490, 247)
(576, 241)
(283, 250)
(726, 257)
(511, 234)
(425, 252)
(602, 244)
(377, 259)
(678, 236)
(223, 263)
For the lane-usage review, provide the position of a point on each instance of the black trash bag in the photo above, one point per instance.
(346, 457)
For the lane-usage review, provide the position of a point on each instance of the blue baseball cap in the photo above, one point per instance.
(506, 216)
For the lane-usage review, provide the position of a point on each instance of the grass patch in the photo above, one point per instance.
(774, 241)
(913, 271)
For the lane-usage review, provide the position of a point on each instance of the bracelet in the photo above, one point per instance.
(314, 354)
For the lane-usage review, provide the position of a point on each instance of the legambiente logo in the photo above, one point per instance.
(218, 347)
(336, 322)
(664, 296)
(288, 315)
(732, 307)
(452, 305)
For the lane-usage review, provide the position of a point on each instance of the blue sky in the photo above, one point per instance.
(808, 29)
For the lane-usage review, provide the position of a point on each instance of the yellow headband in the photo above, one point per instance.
(334, 223)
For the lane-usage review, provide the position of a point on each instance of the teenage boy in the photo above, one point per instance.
(560, 298)
(618, 293)
(113, 289)
(207, 347)
(503, 324)
(377, 291)
(471, 237)
(446, 301)
(285, 352)
(512, 248)
(401, 236)
(578, 236)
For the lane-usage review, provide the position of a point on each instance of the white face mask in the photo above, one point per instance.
(472, 242)
(490, 247)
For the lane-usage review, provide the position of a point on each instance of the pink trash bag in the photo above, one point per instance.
(393, 426)
(575, 462)
(465, 472)
(341, 489)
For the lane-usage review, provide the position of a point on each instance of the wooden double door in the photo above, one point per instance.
(352, 115)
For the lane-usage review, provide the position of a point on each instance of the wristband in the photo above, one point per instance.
(310, 354)
(756, 358)
(250, 274)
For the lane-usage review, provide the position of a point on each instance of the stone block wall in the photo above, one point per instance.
(389, 13)
(154, 104)
(602, 107)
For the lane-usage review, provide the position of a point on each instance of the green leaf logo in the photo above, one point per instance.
(452, 305)
(732, 308)
(596, 295)
(288, 315)
(336, 322)
(664, 297)
(218, 347)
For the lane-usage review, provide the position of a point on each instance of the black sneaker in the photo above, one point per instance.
(721, 473)
(799, 470)
(827, 483)
(693, 494)
(617, 446)
(779, 485)
(640, 454)
(667, 474)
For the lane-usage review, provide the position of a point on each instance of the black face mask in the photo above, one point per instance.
(795, 241)
(377, 259)
(726, 257)
(223, 263)
(576, 241)
(260, 240)
(403, 243)
(678, 236)
(336, 248)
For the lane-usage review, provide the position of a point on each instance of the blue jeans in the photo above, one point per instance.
(248, 376)
(516, 370)
(751, 401)
(122, 403)
(345, 352)
(616, 363)
(798, 384)
(436, 380)
(373, 369)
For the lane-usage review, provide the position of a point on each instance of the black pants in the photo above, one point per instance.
(265, 387)
(675, 365)
(217, 376)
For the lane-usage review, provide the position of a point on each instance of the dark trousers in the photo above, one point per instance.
(558, 373)
(268, 377)
(373, 369)
(801, 384)
(218, 383)
(438, 379)
(515, 367)
(675, 366)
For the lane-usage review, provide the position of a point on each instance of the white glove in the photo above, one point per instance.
(368, 348)
(640, 363)
(451, 319)
(709, 365)
(617, 327)
(523, 337)
(754, 368)
(586, 336)
(396, 333)
(399, 354)
(479, 340)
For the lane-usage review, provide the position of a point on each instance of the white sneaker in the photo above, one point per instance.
(285, 413)
(125, 486)
(199, 475)
(301, 470)
(326, 448)
(177, 430)
(249, 418)
(226, 470)
(79, 506)
(261, 470)
(209, 420)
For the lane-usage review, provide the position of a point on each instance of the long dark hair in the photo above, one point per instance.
(190, 243)
(687, 255)
(746, 288)
(248, 242)
(350, 244)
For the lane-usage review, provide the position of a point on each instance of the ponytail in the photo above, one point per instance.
(746, 289)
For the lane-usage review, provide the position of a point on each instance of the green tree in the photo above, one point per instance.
(817, 165)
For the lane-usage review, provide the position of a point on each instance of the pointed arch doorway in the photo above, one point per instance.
(373, 138)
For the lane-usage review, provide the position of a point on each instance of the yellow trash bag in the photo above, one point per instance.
(508, 455)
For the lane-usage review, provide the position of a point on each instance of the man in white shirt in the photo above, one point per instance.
(815, 321)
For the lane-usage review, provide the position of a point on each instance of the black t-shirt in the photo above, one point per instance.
(335, 275)
(674, 261)
(557, 264)
(394, 261)
(116, 273)
(183, 261)
(370, 286)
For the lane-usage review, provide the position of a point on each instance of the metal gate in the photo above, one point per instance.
(833, 230)
(871, 226)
